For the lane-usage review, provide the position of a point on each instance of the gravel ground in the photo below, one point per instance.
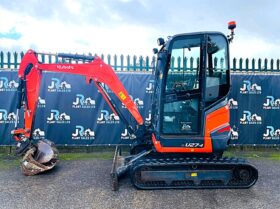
(85, 184)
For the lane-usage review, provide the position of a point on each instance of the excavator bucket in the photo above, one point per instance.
(39, 157)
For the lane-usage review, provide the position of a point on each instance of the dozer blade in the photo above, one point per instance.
(118, 168)
(193, 173)
(121, 165)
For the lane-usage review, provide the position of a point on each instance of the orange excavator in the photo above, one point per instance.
(182, 146)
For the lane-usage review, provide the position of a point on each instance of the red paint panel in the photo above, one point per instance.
(214, 120)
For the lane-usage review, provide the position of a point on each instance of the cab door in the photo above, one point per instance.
(182, 101)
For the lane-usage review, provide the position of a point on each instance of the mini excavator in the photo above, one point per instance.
(182, 146)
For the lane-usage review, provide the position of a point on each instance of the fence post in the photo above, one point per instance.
(128, 62)
(179, 63)
(265, 64)
(215, 62)
(184, 63)
(115, 62)
(83, 60)
(153, 62)
(121, 62)
(234, 64)
(63, 60)
(15, 59)
(247, 64)
(9, 59)
(271, 64)
(259, 64)
(191, 63)
(56, 58)
(172, 63)
(253, 64)
(109, 59)
(2, 59)
(50, 58)
(134, 62)
(147, 63)
(141, 63)
(222, 61)
(240, 64)
(21, 56)
(43, 58)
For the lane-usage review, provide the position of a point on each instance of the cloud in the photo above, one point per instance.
(254, 47)
(73, 6)
(132, 26)
(56, 36)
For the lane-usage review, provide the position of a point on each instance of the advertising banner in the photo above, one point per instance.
(71, 112)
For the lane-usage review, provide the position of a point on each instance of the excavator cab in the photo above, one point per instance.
(190, 120)
(192, 83)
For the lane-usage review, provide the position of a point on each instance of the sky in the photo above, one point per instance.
(131, 27)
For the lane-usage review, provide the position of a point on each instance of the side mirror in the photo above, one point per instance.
(155, 50)
(160, 41)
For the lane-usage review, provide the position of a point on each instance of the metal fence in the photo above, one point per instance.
(11, 60)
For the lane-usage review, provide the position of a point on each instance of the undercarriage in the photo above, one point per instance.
(151, 170)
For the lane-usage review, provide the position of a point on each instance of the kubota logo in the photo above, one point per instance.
(58, 86)
(106, 118)
(6, 85)
(56, 117)
(81, 133)
(249, 88)
(65, 67)
(249, 118)
(271, 103)
(82, 102)
(6, 117)
(271, 133)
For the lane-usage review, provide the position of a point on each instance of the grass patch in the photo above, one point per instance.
(8, 161)
(270, 155)
(86, 156)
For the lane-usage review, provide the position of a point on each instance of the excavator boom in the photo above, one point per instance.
(95, 70)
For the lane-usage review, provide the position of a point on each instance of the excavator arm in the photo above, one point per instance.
(42, 155)
(94, 70)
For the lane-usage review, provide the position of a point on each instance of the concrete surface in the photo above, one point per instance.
(85, 184)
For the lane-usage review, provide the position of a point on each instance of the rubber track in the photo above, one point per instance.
(158, 164)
